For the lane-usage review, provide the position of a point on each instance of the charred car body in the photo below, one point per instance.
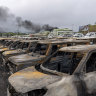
(21, 48)
(6, 45)
(69, 71)
(42, 50)
(10, 44)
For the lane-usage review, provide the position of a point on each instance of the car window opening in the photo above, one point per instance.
(65, 62)
(41, 49)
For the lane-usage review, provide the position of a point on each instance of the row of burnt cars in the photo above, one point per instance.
(49, 67)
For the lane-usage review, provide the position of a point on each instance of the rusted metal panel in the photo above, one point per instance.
(30, 79)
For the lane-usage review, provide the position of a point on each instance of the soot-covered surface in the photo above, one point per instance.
(3, 86)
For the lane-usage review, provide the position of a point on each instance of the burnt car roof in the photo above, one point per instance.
(63, 41)
(71, 41)
(50, 42)
(78, 48)
(16, 40)
(77, 41)
(29, 40)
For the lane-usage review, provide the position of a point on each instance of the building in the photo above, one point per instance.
(57, 32)
(87, 28)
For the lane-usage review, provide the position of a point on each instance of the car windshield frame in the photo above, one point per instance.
(66, 62)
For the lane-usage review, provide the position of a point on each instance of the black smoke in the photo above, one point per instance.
(32, 26)
(27, 24)
(47, 27)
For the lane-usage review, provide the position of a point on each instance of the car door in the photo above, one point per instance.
(90, 75)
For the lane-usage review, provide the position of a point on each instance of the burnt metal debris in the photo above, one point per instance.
(53, 67)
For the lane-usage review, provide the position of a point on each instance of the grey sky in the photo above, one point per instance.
(61, 13)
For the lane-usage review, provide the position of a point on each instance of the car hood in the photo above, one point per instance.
(3, 49)
(26, 59)
(30, 79)
(11, 52)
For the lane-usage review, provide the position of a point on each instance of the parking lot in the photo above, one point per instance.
(32, 68)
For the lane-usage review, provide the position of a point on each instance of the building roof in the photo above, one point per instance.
(65, 29)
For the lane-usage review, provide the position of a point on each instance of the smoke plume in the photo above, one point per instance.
(5, 14)
(27, 24)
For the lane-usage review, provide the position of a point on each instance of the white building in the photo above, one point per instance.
(61, 32)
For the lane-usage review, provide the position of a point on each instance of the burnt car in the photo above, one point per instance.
(24, 46)
(38, 55)
(6, 44)
(10, 44)
(2, 42)
(70, 71)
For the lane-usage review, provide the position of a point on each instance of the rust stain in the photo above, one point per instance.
(29, 74)
(5, 49)
(9, 52)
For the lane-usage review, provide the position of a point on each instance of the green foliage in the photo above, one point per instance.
(92, 28)
(11, 34)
